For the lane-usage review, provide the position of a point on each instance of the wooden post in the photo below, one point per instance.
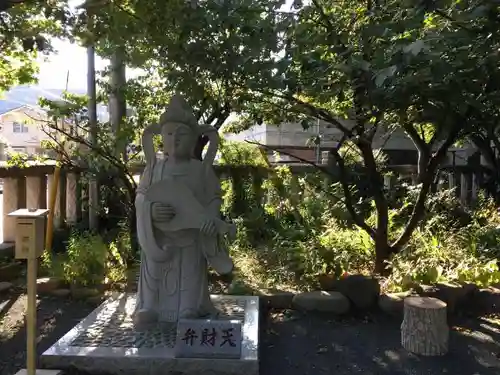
(463, 188)
(36, 192)
(31, 313)
(414, 179)
(387, 182)
(474, 188)
(10, 202)
(30, 226)
(451, 180)
(53, 180)
(71, 198)
(424, 329)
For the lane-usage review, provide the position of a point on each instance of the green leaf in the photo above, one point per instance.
(383, 74)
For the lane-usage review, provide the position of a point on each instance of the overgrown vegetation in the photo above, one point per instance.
(89, 260)
(364, 68)
(292, 236)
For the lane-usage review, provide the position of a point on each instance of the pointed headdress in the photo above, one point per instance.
(179, 111)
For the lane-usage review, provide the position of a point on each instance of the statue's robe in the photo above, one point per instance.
(173, 275)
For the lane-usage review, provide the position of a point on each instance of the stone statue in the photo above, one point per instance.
(178, 221)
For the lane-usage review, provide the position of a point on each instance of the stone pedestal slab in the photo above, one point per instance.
(106, 341)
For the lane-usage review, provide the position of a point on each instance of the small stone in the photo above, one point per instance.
(5, 286)
(393, 303)
(10, 271)
(84, 293)
(47, 284)
(361, 290)
(334, 302)
(278, 299)
(95, 300)
(60, 292)
(239, 288)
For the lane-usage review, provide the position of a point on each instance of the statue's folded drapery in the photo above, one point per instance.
(173, 276)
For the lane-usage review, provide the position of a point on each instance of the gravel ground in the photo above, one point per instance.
(291, 344)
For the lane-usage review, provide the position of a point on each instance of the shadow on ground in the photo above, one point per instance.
(313, 344)
(55, 317)
(291, 344)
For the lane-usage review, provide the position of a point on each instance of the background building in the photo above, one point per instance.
(22, 129)
(22, 121)
(293, 139)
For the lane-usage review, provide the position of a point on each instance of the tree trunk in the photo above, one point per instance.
(117, 107)
(425, 330)
(382, 254)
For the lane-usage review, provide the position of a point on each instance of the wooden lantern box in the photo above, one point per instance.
(30, 232)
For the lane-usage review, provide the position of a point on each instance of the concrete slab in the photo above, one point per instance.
(40, 372)
(106, 341)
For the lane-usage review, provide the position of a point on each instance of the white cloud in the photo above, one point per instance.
(70, 58)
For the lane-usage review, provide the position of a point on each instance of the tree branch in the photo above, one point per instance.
(348, 200)
(427, 180)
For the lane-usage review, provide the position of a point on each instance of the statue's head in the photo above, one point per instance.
(179, 128)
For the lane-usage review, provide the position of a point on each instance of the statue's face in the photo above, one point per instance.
(178, 140)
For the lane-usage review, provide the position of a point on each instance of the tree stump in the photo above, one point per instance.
(425, 329)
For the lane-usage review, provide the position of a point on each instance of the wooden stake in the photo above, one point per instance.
(31, 313)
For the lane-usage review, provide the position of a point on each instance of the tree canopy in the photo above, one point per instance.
(25, 32)
(428, 69)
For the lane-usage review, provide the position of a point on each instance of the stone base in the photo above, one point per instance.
(40, 372)
(106, 341)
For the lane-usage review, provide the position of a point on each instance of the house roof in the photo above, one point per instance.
(19, 107)
(6, 109)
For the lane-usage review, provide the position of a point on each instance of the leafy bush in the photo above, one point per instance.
(431, 259)
(88, 260)
(299, 230)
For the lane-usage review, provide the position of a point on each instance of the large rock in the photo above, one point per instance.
(361, 290)
(5, 286)
(393, 303)
(84, 292)
(47, 284)
(455, 295)
(276, 299)
(60, 292)
(486, 301)
(334, 302)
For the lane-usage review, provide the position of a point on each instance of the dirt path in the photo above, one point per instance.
(291, 344)
(56, 316)
(312, 344)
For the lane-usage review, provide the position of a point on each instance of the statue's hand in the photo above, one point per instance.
(208, 228)
(162, 212)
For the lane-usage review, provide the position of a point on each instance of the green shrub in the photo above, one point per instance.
(301, 230)
(88, 260)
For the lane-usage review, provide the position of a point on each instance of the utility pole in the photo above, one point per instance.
(92, 113)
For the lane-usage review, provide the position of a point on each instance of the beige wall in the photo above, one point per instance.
(30, 136)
